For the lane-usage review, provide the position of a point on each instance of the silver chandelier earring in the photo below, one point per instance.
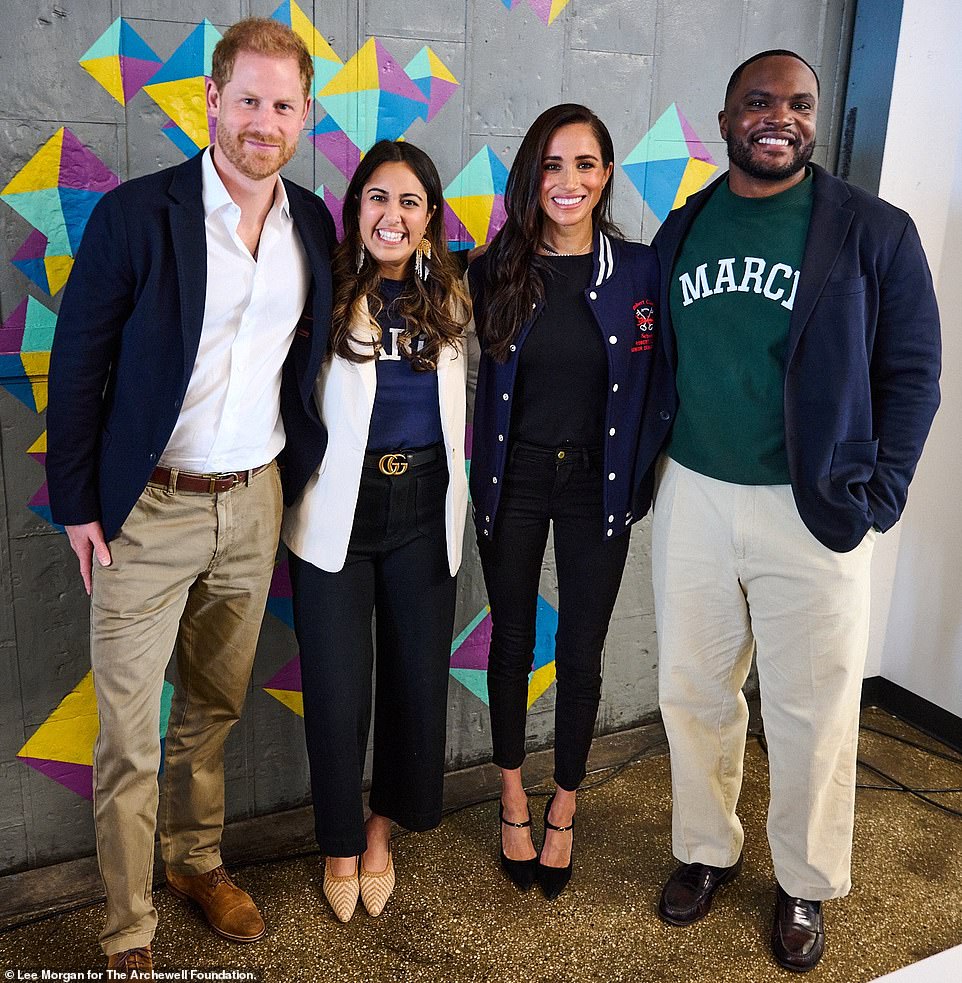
(360, 257)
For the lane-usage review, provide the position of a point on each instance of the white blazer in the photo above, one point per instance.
(317, 527)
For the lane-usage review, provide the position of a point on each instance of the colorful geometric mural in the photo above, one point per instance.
(433, 78)
(669, 163)
(56, 190)
(371, 97)
(36, 262)
(469, 653)
(62, 748)
(326, 62)
(25, 340)
(335, 206)
(547, 10)
(121, 61)
(474, 209)
(180, 89)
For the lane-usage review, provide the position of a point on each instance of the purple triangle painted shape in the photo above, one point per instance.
(472, 653)
(135, 73)
(392, 78)
(34, 247)
(74, 778)
(281, 581)
(696, 148)
(455, 228)
(82, 169)
(287, 677)
(11, 333)
(441, 91)
(42, 497)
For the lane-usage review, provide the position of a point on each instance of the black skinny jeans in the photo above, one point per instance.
(396, 566)
(541, 486)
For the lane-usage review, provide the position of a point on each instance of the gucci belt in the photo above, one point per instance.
(397, 463)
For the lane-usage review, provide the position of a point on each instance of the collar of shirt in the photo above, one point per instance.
(216, 196)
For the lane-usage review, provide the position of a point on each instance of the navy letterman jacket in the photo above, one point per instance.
(622, 294)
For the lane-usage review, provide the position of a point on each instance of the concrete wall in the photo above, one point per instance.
(631, 60)
(918, 574)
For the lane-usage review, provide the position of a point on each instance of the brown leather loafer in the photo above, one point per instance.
(688, 893)
(131, 959)
(798, 933)
(230, 912)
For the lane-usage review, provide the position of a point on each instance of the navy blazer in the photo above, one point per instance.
(861, 363)
(621, 295)
(127, 336)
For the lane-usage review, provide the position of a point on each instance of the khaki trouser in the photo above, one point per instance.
(191, 569)
(736, 570)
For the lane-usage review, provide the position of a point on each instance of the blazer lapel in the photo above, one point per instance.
(189, 239)
(827, 230)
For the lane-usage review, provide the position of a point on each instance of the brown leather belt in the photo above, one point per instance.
(208, 484)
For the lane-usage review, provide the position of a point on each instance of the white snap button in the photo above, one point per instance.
(614, 388)
(612, 339)
(611, 476)
(593, 295)
(611, 432)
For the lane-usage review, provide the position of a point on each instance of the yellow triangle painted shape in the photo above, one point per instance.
(185, 102)
(474, 211)
(316, 42)
(540, 680)
(290, 698)
(439, 70)
(39, 446)
(68, 734)
(696, 174)
(58, 269)
(556, 7)
(107, 72)
(41, 171)
(358, 74)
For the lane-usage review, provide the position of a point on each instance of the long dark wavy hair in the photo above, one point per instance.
(437, 307)
(514, 274)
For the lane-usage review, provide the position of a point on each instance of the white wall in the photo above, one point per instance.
(916, 638)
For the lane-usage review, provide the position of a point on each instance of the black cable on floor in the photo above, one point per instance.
(895, 784)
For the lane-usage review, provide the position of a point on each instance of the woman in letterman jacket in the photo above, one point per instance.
(379, 528)
(572, 406)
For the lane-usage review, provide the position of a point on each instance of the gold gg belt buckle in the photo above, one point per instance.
(392, 464)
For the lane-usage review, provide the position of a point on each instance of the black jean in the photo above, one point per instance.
(396, 566)
(541, 486)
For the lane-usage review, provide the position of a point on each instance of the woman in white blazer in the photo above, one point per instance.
(378, 529)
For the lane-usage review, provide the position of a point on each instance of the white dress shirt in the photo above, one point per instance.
(230, 419)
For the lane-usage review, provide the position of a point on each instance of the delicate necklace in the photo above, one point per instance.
(554, 252)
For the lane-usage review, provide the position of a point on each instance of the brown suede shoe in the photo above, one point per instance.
(131, 959)
(229, 910)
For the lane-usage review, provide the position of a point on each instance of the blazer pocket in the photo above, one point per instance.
(853, 464)
(844, 288)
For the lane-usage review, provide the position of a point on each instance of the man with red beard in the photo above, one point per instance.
(804, 333)
(181, 411)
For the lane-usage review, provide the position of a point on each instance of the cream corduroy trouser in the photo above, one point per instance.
(736, 572)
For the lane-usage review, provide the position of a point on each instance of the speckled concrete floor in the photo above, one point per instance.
(454, 918)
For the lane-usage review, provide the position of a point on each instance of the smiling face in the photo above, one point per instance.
(260, 112)
(393, 217)
(769, 125)
(573, 176)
